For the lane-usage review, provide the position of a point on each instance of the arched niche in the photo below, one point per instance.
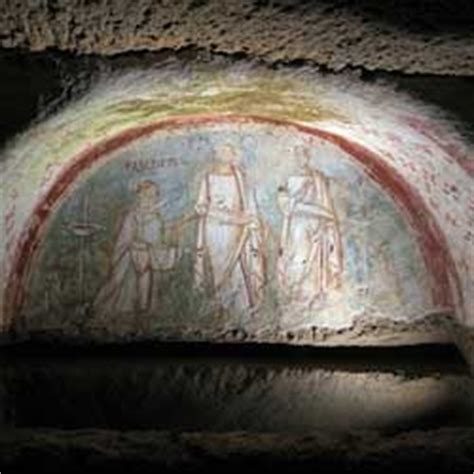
(232, 227)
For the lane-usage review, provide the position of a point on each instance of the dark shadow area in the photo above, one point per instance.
(225, 388)
(428, 17)
(428, 358)
(55, 451)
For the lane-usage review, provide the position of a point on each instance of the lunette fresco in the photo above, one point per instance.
(225, 228)
(417, 153)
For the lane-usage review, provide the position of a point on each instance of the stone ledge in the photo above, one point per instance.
(366, 331)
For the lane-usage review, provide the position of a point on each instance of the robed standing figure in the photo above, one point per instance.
(229, 260)
(310, 254)
(140, 255)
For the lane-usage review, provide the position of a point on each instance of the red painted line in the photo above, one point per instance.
(430, 238)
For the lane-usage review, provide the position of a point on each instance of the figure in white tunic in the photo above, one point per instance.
(229, 261)
(139, 254)
(310, 254)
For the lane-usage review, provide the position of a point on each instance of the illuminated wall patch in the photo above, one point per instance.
(225, 227)
(198, 203)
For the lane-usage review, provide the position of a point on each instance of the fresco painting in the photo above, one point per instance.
(310, 254)
(217, 228)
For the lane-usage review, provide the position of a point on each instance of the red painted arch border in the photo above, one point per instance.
(430, 238)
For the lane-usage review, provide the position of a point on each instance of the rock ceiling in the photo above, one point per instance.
(435, 37)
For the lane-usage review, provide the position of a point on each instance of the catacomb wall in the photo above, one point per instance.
(232, 202)
(378, 183)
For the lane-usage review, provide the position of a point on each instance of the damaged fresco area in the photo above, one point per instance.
(205, 231)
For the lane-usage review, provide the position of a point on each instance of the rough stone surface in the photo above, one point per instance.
(446, 450)
(412, 36)
(390, 390)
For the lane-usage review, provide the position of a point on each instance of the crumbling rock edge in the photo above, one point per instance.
(364, 331)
